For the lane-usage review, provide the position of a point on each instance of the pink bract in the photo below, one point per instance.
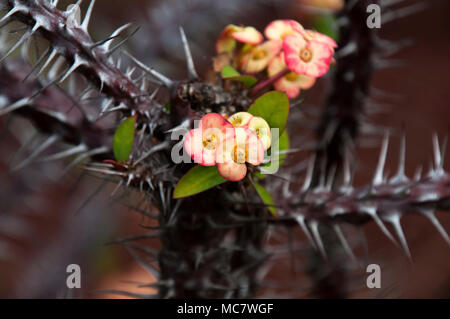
(309, 58)
(259, 57)
(291, 83)
(232, 33)
(201, 143)
(279, 29)
(235, 151)
(311, 35)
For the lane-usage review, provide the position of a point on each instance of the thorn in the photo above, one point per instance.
(66, 153)
(309, 174)
(395, 221)
(48, 142)
(38, 62)
(118, 45)
(443, 150)
(347, 179)
(18, 104)
(24, 37)
(301, 221)
(129, 72)
(337, 229)
(148, 180)
(378, 177)
(402, 12)
(104, 171)
(76, 64)
(152, 96)
(189, 61)
(144, 85)
(437, 156)
(106, 43)
(430, 215)
(117, 108)
(116, 188)
(371, 211)
(87, 17)
(322, 177)
(286, 191)
(56, 67)
(82, 157)
(105, 106)
(154, 149)
(418, 174)
(318, 239)
(350, 48)
(161, 194)
(166, 81)
(400, 176)
(25, 49)
(148, 267)
(47, 62)
(14, 10)
(330, 178)
(183, 126)
(130, 179)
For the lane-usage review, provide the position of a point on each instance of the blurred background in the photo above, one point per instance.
(47, 223)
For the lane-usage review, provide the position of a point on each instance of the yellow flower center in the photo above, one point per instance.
(286, 33)
(240, 154)
(291, 76)
(237, 121)
(305, 55)
(259, 54)
(210, 141)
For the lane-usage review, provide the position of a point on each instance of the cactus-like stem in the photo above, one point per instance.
(50, 109)
(345, 105)
(72, 41)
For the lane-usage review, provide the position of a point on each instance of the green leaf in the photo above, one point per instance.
(123, 139)
(230, 73)
(327, 24)
(276, 160)
(273, 107)
(196, 180)
(266, 198)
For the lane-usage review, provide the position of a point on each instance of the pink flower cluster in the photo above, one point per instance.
(306, 54)
(229, 144)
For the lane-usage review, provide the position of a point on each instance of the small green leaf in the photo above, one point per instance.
(196, 180)
(123, 139)
(266, 198)
(168, 107)
(276, 160)
(230, 73)
(273, 107)
(327, 24)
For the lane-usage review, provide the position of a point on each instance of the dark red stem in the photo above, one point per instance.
(266, 83)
